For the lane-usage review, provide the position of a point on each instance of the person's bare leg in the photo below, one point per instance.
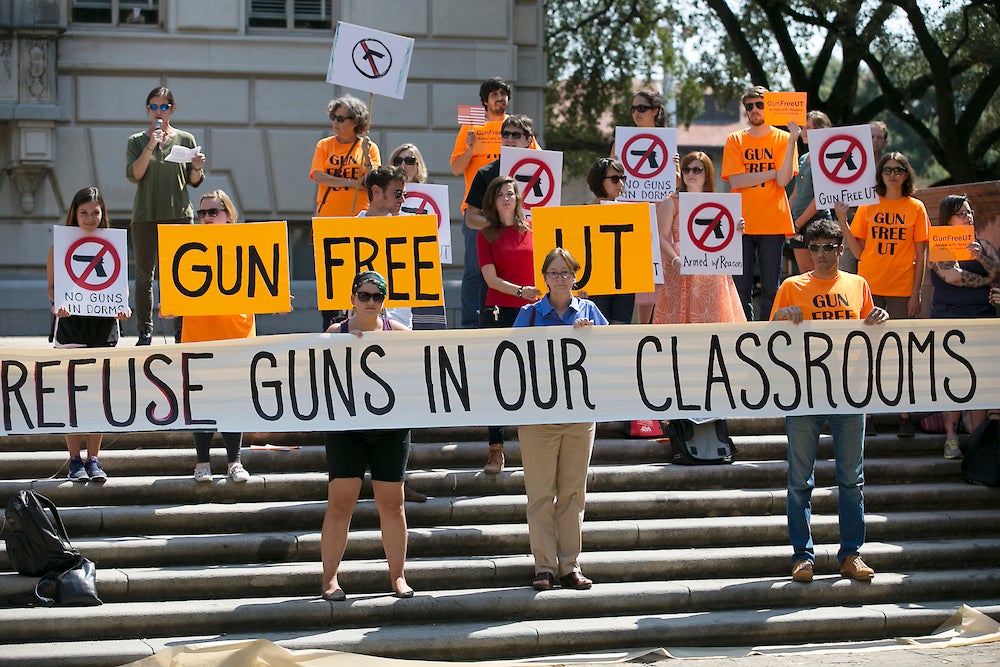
(342, 496)
(392, 521)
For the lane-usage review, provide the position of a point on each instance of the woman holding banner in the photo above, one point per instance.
(88, 212)
(505, 249)
(556, 456)
(691, 299)
(350, 453)
(216, 208)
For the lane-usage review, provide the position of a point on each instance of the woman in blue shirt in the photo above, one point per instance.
(556, 456)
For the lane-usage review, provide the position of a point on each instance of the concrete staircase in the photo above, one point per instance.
(681, 556)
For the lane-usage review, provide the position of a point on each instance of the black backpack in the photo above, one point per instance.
(695, 444)
(981, 464)
(36, 539)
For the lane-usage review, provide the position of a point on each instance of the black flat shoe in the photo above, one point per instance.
(544, 581)
(575, 580)
(337, 595)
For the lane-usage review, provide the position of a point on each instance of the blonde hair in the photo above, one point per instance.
(227, 203)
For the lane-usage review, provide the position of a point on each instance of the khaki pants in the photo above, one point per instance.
(555, 459)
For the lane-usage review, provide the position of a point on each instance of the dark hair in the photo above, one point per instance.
(706, 162)
(654, 99)
(382, 176)
(521, 122)
(85, 196)
(421, 166)
(598, 170)
(160, 91)
(373, 277)
(564, 255)
(492, 229)
(754, 92)
(824, 228)
(356, 107)
(950, 205)
(491, 84)
(901, 159)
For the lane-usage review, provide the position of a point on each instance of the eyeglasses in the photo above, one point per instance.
(396, 161)
(161, 107)
(641, 108)
(965, 215)
(615, 178)
(209, 212)
(399, 194)
(341, 119)
(749, 106)
(692, 170)
(365, 297)
(511, 135)
(560, 275)
(825, 247)
(889, 171)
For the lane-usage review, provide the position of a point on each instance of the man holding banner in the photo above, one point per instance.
(826, 293)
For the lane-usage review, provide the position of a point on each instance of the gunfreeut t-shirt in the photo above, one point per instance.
(341, 161)
(765, 206)
(846, 297)
(890, 230)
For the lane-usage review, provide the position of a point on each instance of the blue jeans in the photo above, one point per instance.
(473, 285)
(763, 252)
(848, 442)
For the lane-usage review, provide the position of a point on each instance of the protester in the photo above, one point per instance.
(556, 456)
(160, 198)
(216, 208)
(822, 294)
(88, 212)
(349, 454)
(890, 241)
(802, 199)
(505, 258)
(694, 298)
(606, 179)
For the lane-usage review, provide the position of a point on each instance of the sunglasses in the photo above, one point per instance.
(161, 107)
(692, 170)
(511, 135)
(209, 212)
(825, 247)
(399, 194)
(616, 179)
(396, 161)
(341, 119)
(889, 171)
(641, 108)
(750, 105)
(365, 297)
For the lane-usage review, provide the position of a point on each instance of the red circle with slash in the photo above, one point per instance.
(655, 142)
(723, 213)
(541, 169)
(105, 247)
(834, 173)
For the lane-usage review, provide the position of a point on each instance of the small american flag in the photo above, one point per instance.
(471, 115)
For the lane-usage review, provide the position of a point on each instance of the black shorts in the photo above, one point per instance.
(385, 451)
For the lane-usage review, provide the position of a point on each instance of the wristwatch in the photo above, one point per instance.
(520, 291)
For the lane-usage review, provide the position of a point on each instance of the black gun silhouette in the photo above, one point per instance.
(652, 158)
(98, 268)
(705, 222)
(849, 160)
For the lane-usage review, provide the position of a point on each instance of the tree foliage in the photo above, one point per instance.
(932, 65)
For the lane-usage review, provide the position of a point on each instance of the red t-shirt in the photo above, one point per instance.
(512, 254)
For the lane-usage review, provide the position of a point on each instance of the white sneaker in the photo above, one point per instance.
(203, 472)
(238, 473)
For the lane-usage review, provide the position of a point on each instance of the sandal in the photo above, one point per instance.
(544, 581)
(575, 580)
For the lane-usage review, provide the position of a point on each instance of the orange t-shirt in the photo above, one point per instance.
(198, 328)
(765, 206)
(890, 230)
(341, 161)
(846, 297)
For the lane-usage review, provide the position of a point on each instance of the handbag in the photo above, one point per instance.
(74, 587)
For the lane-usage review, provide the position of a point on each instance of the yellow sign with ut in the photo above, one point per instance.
(950, 243)
(403, 248)
(224, 269)
(612, 242)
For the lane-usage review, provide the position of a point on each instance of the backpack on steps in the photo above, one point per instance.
(981, 464)
(703, 443)
(36, 539)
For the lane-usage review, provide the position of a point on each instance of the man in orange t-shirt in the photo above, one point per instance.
(759, 162)
(826, 293)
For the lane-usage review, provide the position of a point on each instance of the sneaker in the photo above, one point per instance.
(905, 428)
(145, 338)
(95, 471)
(952, 449)
(494, 464)
(77, 470)
(855, 568)
(802, 571)
(238, 473)
(203, 472)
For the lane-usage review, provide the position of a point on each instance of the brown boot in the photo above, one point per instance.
(411, 495)
(495, 463)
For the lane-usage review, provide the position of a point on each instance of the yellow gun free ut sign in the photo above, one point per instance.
(402, 248)
(224, 269)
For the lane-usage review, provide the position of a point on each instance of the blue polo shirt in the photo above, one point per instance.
(546, 315)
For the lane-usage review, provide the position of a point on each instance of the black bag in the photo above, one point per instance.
(981, 464)
(36, 539)
(74, 587)
(695, 444)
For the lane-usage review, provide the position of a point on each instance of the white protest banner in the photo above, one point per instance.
(647, 153)
(538, 174)
(371, 60)
(710, 241)
(424, 198)
(90, 270)
(843, 166)
(534, 375)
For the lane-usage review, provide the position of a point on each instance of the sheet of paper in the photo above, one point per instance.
(182, 154)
